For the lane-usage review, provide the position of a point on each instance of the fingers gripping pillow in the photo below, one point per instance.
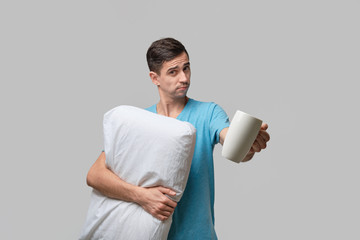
(144, 149)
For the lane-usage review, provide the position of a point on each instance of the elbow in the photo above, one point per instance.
(96, 172)
(90, 178)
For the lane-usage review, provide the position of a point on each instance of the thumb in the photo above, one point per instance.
(264, 126)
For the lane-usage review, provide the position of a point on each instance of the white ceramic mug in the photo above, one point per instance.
(241, 135)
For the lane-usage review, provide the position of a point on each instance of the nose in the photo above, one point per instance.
(184, 78)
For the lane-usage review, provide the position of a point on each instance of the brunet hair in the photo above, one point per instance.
(163, 50)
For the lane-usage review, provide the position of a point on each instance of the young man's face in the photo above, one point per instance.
(174, 78)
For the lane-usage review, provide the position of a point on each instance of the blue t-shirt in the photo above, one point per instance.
(193, 217)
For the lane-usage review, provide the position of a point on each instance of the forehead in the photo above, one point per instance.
(177, 61)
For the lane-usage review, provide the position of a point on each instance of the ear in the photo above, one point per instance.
(154, 78)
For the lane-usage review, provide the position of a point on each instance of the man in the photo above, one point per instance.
(193, 216)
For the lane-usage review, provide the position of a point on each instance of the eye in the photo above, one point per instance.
(187, 68)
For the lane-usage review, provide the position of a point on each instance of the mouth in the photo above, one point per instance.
(183, 88)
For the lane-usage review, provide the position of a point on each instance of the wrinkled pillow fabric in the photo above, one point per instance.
(144, 149)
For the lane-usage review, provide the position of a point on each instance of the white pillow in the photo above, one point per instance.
(144, 149)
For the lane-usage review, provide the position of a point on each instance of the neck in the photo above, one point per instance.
(171, 108)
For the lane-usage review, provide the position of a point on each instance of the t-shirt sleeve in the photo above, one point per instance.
(218, 121)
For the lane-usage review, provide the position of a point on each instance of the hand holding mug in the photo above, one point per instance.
(260, 142)
(246, 135)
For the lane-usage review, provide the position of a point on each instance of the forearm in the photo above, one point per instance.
(108, 183)
(223, 135)
(152, 200)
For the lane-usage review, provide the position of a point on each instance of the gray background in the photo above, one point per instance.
(295, 64)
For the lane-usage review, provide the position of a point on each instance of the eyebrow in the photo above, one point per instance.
(177, 66)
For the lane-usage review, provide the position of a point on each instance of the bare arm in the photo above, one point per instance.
(153, 200)
(223, 135)
(260, 142)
